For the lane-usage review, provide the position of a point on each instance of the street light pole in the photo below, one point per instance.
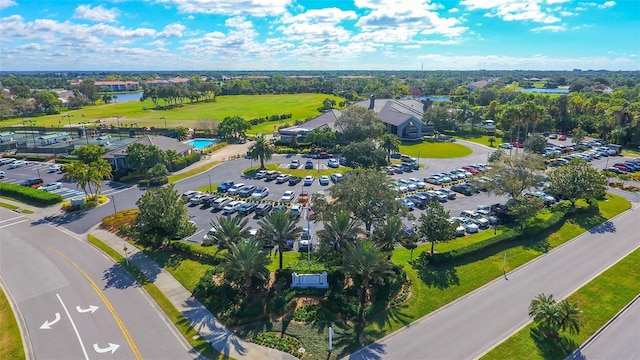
(113, 199)
(209, 183)
(32, 123)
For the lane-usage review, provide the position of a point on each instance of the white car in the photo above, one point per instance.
(209, 235)
(282, 178)
(333, 163)
(18, 163)
(288, 195)
(260, 192)
(336, 178)
(197, 199)
(460, 230)
(419, 183)
(232, 207)
(324, 180)
(51, 186)
(190, 193)
(233, 190)
(220, 203)
(55, 168)
(308, 180)
(5, 161)
(261, 174)
(468, 225)
(408, 184)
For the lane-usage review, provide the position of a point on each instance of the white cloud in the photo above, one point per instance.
(607, 4)
(514, 10)
(172, 30)
(258, 8)
(567, 13)
(453, 10)
(97, 14)
(316, 26)
(537, 62)
(6, 3)
(550, 28)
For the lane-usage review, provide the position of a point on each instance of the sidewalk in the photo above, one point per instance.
(225, 154)
(198, 316)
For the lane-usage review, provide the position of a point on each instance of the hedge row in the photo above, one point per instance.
(559, 214)
(195, 252)
(183, 162)
(29, 195)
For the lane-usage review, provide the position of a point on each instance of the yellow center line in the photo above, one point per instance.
(95, 287)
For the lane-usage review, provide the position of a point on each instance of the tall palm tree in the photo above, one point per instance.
(389, 234)
(262, 150)
(368, 266)
(553, 316)
(570, 317)
(340, 230)
(244, 262)
(389, 142)
(277, 228)
(86, 175)
(229, 231)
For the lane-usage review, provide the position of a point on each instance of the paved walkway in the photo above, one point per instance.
(198, 316)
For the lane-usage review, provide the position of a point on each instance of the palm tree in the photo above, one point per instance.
(552, 316)
(262, 150)
(244, 262)
(86, 175)
(389, 234)
(172, 155)
(277, 228)
(367, 266)
(389, 142)
(98, 171)
(229, 231)
(340, 230)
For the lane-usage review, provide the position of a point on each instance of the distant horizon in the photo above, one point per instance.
(309, 70)
(328, 35)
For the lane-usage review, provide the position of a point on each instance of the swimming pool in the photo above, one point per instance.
(201, 143)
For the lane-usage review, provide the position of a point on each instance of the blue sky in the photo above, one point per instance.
(319, 35)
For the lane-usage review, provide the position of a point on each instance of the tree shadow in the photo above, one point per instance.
(150, 267)
(393, 315)
(439, 277)
(117, 277)
(211, 329)
(61, 219)
(605, 227)
(557, 348)
(373, 351)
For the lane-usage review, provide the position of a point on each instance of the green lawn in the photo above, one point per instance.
(427, 149)
(10, 339)
(301, 106)
(192, 172)
(599, 300)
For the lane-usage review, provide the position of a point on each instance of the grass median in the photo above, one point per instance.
(599, 301)
(10, 340)
(427, 149)
(188, 332)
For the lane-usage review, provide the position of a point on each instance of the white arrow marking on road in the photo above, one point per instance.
(47, 324)
(112, 348)
(91, 308)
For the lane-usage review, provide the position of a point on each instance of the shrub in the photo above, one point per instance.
(159, 181)
(143, 183)
(197, 252)
(29, 195)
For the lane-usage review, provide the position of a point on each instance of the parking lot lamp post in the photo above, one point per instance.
(113, 199)
(165, 121)
(32, 124)
(39, 177)
(418, 159)
(209, 183)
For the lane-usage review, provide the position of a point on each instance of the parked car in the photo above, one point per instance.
(308, 164)
(196, 199)
(18, 163)
(562, 137)
(324, 180)
(406, 202)
(411, 186)
(419, 183)
(223, 187)
(233, 190)
(433, 179)
(54, 168)
(295, 163)
(220, 203)
(288, 195)
(232, 207)
(505, 146)
(333, 163)
(303, 197)
(51, 186)
(294, 180)
(419, 200)
(246, 190)
(209, 199)
(2, 175)
(5, 161)
(336, 178)
(260, 192)
(486, 213)
(308, 180)
(263, 209)
(247, 208)
(460, 230)
(451, 195)
(32, 182)
(476, 218)
(440, 196)
(261, 174)
(282, 178)
(272, 175)
(304, 244)
(209, 236)
(468, 225)
(295, 210)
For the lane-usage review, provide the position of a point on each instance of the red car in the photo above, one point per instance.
(562, 137)
(517, 144)
(471, 169)
(622, 167)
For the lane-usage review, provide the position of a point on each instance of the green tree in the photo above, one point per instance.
(577, 180)
(552, 316)
(277, 228)
(339, 231)
(181, 133)
(88, 176)
(358, 124)
(244, 263)
(366, 265)
(141, 157)
(578, 135)
(262, 149)
(491, 140)
(434, 225)
(89, 153)
(366, 195)
(536, 143)
(387, 235)
(514, 174)
(522, 208)
(390, 143)
(364, 154)
(228, 231)
(162, 216)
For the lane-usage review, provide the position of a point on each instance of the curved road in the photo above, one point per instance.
(75, 303)
(473, 324)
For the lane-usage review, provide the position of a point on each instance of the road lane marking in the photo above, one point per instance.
(111, 347)
(106, 302)
(47, 324)
(17, 222)
(73, 324)
(17, 217)
(91, 308)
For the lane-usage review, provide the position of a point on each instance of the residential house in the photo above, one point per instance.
(402, 117)
(118, 85)
(117, 157)
(327, 119)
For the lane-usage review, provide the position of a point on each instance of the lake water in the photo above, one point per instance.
(128, 97)
(545, 91)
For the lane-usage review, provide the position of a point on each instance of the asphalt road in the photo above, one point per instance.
(470, 326)
(75, 303)
(618, 340)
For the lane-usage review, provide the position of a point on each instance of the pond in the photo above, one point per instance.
(124, 97)
(545, 91)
